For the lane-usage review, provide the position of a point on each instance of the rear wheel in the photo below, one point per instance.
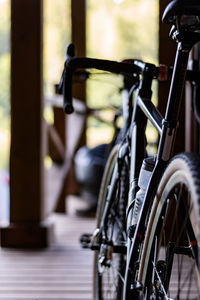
(170, 260)
(110, 259)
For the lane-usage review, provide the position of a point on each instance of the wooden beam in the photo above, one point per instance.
(27, 152)
(56, 149)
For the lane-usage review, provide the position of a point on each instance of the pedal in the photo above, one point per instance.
(90, 241)
(85, 240)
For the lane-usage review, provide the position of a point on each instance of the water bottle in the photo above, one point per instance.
(144, 177)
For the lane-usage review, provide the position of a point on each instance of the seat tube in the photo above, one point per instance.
(170, 121)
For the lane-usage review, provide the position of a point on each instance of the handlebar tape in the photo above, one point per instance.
(67, 81)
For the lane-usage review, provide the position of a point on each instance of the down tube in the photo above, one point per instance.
(138, 153)
(131, 289)
(138, 145)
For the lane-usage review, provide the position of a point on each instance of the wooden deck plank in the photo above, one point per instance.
(64, 271)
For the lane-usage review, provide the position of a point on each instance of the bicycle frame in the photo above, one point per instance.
(166, 127)
(143, 111)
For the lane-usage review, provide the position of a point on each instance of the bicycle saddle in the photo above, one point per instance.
(179, 8)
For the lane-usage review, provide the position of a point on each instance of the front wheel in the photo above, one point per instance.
(170, 260)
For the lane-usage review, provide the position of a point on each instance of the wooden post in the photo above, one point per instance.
(167, 57)
(78, 9)
(78, 20)
(78, 37)
(27, 228)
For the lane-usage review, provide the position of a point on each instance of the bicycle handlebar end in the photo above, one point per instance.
(70, 51)
(68, 108)
(67, 80)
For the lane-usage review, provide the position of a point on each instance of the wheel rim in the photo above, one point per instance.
(109, 273)
(173, 275)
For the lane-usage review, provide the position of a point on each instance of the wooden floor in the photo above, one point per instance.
(64, 271)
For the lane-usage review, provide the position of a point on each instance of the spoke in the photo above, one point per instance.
(119, 223)
(154, 261)
(186, 222)
(118, 273)
(175, 229)
(114, 275)
(188, 277)
(179, 233)
(160, 281)
(179, 272)
(111, 274)
(164, 223)
(172, 244)
(174, 219)
(109, 285)
(190, 283)
(112, 281)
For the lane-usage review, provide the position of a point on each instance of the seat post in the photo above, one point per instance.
(177, 82)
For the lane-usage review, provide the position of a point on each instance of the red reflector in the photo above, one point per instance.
(193, 243)
(163, 72)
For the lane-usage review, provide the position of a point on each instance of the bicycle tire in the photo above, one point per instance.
(169, 266)
(108, 279)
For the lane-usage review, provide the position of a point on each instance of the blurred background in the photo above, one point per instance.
(110, 34)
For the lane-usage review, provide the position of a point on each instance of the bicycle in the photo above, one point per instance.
(148, 222)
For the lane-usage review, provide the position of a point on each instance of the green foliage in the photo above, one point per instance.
(4, 85)
(4, 62)
(123, 30)
(4, 28)
(114, 31)
(128, 29)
